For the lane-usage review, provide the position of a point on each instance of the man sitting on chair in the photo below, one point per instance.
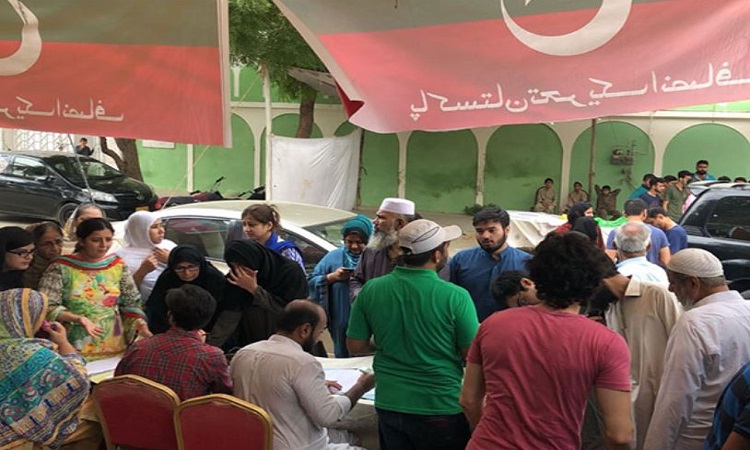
(180, 359)
(282, 377)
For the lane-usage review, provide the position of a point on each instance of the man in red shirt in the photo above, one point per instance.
(180, 359)
(530, 370)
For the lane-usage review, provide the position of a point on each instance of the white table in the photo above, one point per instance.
(362, 420)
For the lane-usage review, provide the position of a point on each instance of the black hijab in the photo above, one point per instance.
(283, 279)
(587, 226)
(577, 211)
(12, 238)
(210, 278)
(277, 274)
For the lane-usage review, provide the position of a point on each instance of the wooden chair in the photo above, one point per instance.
(222, 422)
(136, 413)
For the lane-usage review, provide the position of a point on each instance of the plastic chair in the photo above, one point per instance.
(222, 422)
(136, 413)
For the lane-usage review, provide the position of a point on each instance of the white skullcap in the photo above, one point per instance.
(398, 206)
(696, 262)
(421, 236)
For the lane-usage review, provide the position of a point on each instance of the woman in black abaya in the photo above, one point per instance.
(259, 285)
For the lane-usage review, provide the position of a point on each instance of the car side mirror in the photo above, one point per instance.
(45, 179)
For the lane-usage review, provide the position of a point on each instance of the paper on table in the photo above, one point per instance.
(346, 378)
(102, 365)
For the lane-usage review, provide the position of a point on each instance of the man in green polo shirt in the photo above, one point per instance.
(422, 328)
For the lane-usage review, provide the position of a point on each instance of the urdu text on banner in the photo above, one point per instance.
(136, 68)
(444, 64)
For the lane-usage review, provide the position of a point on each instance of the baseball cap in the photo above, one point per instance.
(421, 236)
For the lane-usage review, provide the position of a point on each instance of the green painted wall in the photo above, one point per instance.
(726, 150)
(441, 170)
(284, 125)
(611, 135)
(234, 164)
(164, 168)
(519, 158)
(379, 178)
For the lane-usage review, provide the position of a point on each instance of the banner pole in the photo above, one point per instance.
(269, 129)
(592, 157)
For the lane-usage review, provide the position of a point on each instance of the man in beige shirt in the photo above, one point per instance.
(643, 313)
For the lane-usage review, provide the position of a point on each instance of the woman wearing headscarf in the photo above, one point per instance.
(260, 284)
(42, 389)
(92, 293)
(146, 251)
(578, 210)
(48, 245)
(17, 250)
(329, 282)
(186, 265)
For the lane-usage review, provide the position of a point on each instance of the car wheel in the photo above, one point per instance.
(64, 213)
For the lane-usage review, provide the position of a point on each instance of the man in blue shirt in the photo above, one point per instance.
(643, 188)
(731, 425)
(701, 171)
(475, 268)
(658, 253)
(676, 235)
(653, 197)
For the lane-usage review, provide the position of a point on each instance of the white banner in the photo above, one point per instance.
(316, 171)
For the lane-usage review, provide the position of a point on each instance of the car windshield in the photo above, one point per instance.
(94, 170)
(330, 231)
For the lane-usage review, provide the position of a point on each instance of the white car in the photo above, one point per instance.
(211, 225)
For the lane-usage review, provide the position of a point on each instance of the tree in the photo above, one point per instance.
(260, 35)
(127, 160)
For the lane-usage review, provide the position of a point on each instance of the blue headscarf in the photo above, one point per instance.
(362, 225)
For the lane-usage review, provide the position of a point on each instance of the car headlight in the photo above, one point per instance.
(100, 196)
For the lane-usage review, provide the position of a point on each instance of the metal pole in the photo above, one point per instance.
(269, 129)
(592, 157)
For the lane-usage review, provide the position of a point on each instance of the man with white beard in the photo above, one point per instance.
(710, 342)
(382, 252)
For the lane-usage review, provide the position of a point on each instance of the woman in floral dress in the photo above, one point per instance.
(94, 296)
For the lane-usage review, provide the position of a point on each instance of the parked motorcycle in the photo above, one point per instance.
(209, 195)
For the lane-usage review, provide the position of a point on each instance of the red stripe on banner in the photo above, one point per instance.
(478, 74)
(149, 92)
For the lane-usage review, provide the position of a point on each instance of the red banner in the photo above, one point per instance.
(441, 64)
(124, 69)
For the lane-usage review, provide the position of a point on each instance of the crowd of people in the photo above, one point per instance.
(633, 341)
(671, 193)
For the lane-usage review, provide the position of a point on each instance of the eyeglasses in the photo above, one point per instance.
(183, 269)
(22, 253)
(55, 243)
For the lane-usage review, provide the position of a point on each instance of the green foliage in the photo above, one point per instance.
(471, 210)
(260, 34)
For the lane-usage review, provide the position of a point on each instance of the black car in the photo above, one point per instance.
(50, 185)
(719, 221)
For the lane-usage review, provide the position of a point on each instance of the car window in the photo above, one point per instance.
(209, 235)
(730, 219)
(93, 169)
(28, 168)
(312, 254)
(330, 231)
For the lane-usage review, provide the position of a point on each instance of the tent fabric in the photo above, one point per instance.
(442, 64)
(316, 171)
